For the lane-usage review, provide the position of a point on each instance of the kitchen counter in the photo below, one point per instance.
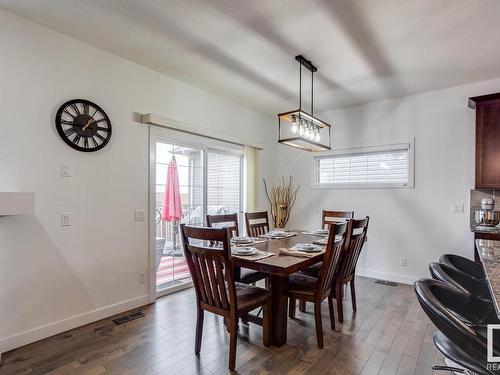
(489, 254)
(492, 230)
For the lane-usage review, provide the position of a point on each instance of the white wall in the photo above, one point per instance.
(53, 278)
(414, 223)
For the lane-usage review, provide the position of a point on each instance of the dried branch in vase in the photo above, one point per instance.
(281, 197)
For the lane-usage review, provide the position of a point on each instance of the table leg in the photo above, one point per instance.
(279, 310)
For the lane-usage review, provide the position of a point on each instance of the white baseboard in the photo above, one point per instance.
(387, 276)
(51, 329)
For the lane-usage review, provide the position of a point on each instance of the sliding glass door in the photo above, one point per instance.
(205, 179)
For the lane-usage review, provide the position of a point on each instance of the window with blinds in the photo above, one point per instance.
(223, 183)
(385, 167)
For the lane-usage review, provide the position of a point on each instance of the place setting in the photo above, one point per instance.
(306, 250)
(278, 234)
(317, 232)
(247, 240)
(249, 253)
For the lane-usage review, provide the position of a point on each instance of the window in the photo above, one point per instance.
(373, 167)
(223, 183)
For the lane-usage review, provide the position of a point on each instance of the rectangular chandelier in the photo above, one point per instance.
(300, 129)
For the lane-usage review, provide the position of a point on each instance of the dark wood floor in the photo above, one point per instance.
(389, 335)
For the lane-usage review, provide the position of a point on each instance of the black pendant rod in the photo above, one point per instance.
(300, 87)
(312, 92)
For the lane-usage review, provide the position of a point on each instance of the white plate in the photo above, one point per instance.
(304, 246)
(277, 233)
(313, 249)
(245, 251)
(321, 231)
(241, 239)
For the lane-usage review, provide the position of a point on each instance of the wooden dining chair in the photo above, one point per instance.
(355, 240)
(216, 290)
(316, 290)
(356, 236)
(329, 217)
(230, 222)
(257, 223)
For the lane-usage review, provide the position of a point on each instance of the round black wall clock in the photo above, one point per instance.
(83, 125)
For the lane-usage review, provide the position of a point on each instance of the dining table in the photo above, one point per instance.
(279, 267)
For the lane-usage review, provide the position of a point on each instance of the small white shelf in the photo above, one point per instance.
(13, 203)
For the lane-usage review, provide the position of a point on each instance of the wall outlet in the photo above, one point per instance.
(139, 215)
(65, 220)
(457, 208)
(65, 170)
(141, 278)
(403, 261)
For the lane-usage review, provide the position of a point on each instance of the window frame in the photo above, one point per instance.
(410, 146)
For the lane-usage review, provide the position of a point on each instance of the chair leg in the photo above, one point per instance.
(291, 307)
(353, 295)
(267, 283)
(232, 344)
(340, 307)
(266, 324)
(332, 313)
(199, 330)
(302, 305)
(319, 324)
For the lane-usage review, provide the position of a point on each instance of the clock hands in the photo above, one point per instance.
(88, 124)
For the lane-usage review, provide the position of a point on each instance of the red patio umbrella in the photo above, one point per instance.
(172, 206)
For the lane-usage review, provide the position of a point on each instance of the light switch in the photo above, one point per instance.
(65, 220)
(65, 170)
(457, 208)
(139, 215)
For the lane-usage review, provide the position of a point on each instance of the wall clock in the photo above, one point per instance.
(83, 125)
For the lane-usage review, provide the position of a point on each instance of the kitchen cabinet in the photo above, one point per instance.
(487, 140)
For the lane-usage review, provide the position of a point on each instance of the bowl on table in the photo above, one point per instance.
(306, 247)
(244, 251)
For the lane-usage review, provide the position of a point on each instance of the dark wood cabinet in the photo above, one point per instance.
(487, 140)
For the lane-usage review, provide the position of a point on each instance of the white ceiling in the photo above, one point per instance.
(365, 50)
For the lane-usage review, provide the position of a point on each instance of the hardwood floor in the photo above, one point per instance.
(390, 334)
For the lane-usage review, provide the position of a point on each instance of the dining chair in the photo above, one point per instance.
(316, 290)
(329, 217)
(230, 222)
(215, 288)
(356, 235)
(257, 223)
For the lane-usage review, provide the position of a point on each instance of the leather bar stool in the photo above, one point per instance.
(460, 280)
(463, 264)
(461, 319)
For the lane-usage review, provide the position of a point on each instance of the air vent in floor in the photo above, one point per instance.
(128, 318)
(385, 282)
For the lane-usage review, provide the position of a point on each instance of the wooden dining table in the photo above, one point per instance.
(279, 267)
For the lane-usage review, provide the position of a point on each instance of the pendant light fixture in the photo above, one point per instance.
(300, 129)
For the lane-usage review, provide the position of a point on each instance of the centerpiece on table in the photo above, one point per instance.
(281, 196)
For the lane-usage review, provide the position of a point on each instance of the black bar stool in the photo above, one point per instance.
(462, 320)
(463, 264)
(461, 280)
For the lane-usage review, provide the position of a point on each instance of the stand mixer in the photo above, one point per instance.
(487, 216)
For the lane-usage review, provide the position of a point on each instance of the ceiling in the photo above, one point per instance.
(365, 50)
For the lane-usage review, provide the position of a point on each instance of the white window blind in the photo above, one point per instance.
(388, 167)
(223, 183)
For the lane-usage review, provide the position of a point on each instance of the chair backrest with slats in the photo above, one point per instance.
(356, 235)
(336, 238)
(257, 223)
(211, 268)
(229, 221)
(328, 217)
